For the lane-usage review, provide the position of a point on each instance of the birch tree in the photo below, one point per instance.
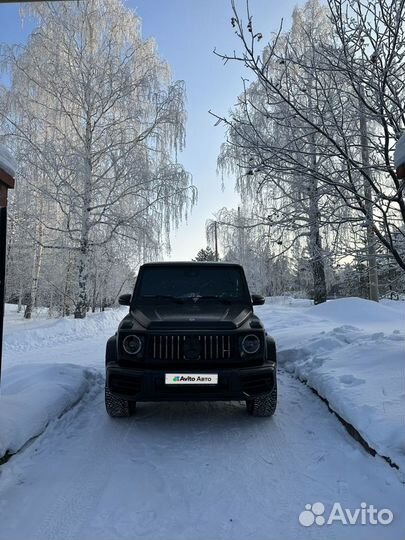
(108, 121)
(287, 191)
(343, 93)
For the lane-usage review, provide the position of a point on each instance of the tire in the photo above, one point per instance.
(263, 406)
(116, 406)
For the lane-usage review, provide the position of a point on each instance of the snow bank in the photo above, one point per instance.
(363, 378)
(33, 395)
(352, 352)
(62, 331)
(359, 312)
(38, 391)
(14, 320)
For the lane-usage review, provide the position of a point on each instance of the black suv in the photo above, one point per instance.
(190, 335)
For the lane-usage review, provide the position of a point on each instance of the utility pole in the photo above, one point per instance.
(7, 171)
(216, 239)
(368, 204)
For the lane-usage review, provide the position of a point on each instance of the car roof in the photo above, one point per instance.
(190, 263)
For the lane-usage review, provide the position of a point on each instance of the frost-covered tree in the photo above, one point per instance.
(272, 268)
(97, 122)
(287, 193)
(322, 115)
(245, 242)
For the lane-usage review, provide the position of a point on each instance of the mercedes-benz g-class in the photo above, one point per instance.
(191, 334)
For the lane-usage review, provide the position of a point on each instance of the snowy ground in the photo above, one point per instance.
(201, 471)
(352, 352)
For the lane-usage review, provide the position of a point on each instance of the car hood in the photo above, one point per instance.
(190, 316)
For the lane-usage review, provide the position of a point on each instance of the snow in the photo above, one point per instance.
(34, 395)
(7, 161)
(352, 352)
(44, 333)
(200, 470)
(399, 155)
(357, 311)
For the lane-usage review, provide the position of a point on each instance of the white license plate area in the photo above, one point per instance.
(191, 378)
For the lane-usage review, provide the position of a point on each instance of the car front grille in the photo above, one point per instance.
(190, 347)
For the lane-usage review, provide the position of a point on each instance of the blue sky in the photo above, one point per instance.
(187, 32)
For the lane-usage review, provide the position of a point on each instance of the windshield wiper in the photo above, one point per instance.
(223, 299)
(176, 299)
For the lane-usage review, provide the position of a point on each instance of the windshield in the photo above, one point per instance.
(196, 283)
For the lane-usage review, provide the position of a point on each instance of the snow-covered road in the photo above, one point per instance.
(189, 471)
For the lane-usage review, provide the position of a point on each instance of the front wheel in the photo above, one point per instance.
(263, 405)
(116, 406)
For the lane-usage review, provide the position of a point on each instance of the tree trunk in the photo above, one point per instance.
(93, 305)
(65, 307)
(315, 245)
(36, 269)
(81, 304)
(20, 295)
(50, 307)
(94, 293)
(368, 204)
(83, 272)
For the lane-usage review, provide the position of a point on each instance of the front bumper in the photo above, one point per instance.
(149, 385)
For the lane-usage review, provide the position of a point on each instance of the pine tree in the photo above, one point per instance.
(206, 254)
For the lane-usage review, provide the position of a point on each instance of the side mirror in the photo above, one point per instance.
(258, 299)
(124, 300)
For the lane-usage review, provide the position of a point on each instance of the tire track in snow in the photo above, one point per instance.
(193, 471)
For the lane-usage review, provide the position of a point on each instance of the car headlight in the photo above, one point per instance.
(250, 344)
(132, 344)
